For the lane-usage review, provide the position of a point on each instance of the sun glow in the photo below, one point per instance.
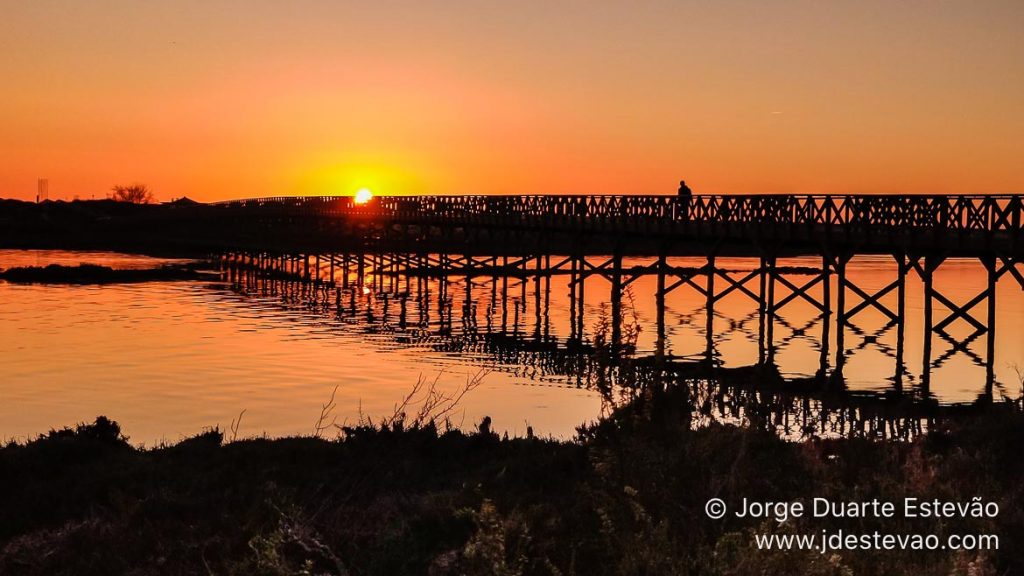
(363, 196)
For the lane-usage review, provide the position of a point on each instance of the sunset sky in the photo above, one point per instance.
(218, 99)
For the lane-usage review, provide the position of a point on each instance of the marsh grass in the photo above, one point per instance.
(408, 494)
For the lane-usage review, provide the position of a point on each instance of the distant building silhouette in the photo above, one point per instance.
(183, 201)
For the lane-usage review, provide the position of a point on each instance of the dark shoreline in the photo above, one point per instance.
(160, 230)
(626, 497)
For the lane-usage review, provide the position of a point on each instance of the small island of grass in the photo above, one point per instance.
(95, 274)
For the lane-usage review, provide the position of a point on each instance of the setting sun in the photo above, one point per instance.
(363, 196)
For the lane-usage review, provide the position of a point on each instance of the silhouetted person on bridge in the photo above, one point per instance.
(684, 190)
(684, 200)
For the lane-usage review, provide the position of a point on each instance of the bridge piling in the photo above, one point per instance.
(901, 312)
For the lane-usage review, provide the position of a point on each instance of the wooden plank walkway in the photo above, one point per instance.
(965, 225)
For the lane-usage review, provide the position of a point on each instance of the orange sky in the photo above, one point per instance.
(217, 99)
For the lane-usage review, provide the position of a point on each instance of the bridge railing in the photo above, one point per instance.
(988, 213)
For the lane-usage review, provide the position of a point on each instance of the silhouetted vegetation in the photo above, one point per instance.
(134, 193)
(626, 497)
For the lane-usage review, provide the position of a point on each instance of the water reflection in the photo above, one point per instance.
(168, 359)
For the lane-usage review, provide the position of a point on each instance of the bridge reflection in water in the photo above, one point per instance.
(803, 345)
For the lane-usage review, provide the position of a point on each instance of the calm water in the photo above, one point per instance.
(168, 359)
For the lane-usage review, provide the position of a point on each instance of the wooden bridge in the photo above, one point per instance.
(329, 239)
(392, 246)
(747, 225)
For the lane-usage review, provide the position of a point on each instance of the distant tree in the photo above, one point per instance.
(136, 194)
